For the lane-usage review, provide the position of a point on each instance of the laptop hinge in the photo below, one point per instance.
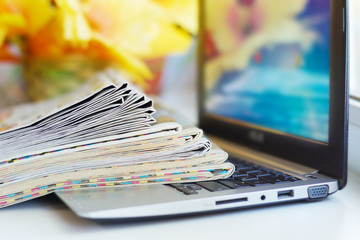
(261, 158)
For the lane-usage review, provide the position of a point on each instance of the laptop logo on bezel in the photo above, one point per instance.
(256, 136)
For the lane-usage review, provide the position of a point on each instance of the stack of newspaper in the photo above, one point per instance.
(105, 134)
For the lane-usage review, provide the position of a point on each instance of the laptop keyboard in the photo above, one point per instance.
(246, 175)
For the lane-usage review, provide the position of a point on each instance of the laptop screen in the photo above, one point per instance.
(266, 65)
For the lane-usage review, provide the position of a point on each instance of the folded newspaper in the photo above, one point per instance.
(105, 134)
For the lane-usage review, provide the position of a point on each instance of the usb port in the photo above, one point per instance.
(285, 194)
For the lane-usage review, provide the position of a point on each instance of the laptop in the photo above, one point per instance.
(273, 93)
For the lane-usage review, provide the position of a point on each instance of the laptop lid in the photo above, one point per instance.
(273, 77)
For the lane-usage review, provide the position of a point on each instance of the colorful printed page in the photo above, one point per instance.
(207, 167)
(210, 159)
(186, 144)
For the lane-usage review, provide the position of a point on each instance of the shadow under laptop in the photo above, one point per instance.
(68, 222)
(194, 216)
(247, 219)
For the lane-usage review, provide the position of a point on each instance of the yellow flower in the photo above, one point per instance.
(10, 24)
(71, 22)
(142, 27)
(122, 31)
(21, 18)
(36, 13)
(132, 65)
(181, 12)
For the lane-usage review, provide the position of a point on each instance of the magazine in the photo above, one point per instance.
(105, 134)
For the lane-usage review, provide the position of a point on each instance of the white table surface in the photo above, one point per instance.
(337, 217)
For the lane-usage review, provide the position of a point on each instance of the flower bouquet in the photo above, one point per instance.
(61, 43)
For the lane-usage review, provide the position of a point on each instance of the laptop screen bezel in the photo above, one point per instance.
(331, 158)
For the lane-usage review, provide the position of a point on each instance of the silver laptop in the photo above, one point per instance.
(273, 93)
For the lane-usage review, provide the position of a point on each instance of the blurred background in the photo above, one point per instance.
(354, 35)
(49, 47)
(354, 74)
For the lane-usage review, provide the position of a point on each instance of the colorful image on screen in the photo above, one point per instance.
(267, 64)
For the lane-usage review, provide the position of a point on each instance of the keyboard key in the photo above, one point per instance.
(181, 188)
(233, 184)
(192, 186)
(292, 179)
(212, 186)
(246, 178)
(186, 188)
(240, 175)
(257, 173)
(256, 182)
(254, 171)
(263, 175)
(273, 179)
(188, 191)
(245, 169)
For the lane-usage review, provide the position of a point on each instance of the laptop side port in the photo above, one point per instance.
(318, 192)
(231, 201)
(285, 194)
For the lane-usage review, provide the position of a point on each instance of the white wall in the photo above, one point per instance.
(354, 136)
(354, 51)
(354, 35)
